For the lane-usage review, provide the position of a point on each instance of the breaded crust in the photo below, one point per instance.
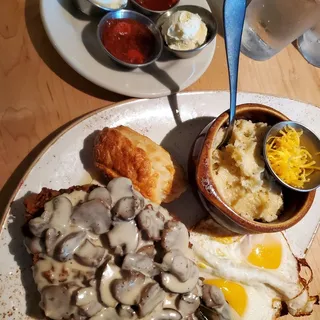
(122, 151)
(34, 205)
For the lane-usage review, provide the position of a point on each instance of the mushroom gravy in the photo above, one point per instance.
(112, 254)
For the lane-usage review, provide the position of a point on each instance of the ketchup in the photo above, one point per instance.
(157, 5)
(128, 40)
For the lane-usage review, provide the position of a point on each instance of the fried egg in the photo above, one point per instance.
(256, 273)
(246, 302)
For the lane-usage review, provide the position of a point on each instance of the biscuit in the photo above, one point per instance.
(124, 152)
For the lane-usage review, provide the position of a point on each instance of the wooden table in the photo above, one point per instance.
(40, 94)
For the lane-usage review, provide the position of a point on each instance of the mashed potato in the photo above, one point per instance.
(239, 173)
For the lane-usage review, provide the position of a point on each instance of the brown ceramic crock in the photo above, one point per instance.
(296, 204)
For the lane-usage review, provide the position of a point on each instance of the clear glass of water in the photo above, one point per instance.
(309, 45)
(271, 25)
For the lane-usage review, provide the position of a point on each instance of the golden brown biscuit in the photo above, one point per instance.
(124, 152)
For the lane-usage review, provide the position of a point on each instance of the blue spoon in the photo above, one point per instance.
(234, 12)
(233, 15)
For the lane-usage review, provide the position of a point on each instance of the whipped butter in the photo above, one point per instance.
(184, 31)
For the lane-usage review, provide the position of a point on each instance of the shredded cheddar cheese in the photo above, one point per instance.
(289, 160)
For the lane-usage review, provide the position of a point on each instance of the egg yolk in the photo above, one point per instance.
(266, 255)
(233, 292)
(202, 265)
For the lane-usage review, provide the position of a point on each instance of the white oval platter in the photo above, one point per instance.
(67, 160)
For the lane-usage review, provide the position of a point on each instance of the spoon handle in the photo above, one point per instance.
(234, 12)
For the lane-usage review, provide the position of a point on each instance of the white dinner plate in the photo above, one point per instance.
(67, 160)
(74, 37)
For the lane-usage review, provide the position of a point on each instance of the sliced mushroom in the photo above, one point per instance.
(178, 265)
(62, 210)
(145, 246)
(194, 317)
(127, 208)
(91, 309)
(171, 301)
(93, 216)
(167, 314)
(212, 296)
(110, 273)
(84, 296)
(126, 312)
(56, 215)
(120, 188)
(127, 291)
(86, 299)
(51, 239)
(78, 316)
(148, 250)
(198, 289)
(56, 302)
(173, 284)
(140, 263)
(93, 283)
(93, 237)
(38, 225)
(90, 255)
(151, 296)
(175, 236)
(188, 303)
(101, 194)
(124, 237)
(66, 248)
(107, 314)
(34, 245)
(151, 222)
(182, 268)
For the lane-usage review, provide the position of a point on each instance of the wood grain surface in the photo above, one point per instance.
(40, 94)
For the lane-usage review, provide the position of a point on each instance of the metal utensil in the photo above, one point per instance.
(233, 19)
(309, 140)
(233, 15)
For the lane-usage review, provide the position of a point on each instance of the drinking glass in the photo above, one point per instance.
(309, 45)
(271, 25)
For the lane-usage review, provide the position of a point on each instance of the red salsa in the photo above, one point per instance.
(128, 40)
(157, 5)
